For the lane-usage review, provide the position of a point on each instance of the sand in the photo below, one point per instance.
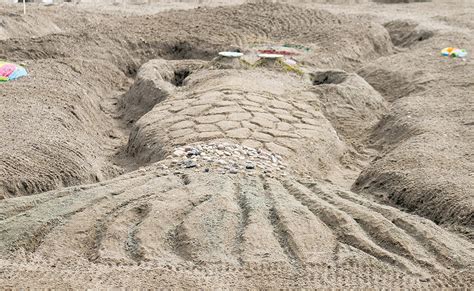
(363, 179)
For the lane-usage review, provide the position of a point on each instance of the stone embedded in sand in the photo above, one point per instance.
(190, 164)
(193, 152)
(250, 166)
(232, 157)
(178, 153)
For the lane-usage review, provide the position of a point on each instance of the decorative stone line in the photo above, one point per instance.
(225, 158)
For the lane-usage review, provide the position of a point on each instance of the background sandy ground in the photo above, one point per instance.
(374, 134)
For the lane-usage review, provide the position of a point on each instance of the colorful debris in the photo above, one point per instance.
(9, 71)
(278, 52)
(454, 52)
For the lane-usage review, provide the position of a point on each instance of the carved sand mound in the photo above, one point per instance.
(247, 223)
(261, 108)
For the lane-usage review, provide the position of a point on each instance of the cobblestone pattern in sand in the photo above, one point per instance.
(276, 112)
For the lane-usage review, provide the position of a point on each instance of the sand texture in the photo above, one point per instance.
(134, 156)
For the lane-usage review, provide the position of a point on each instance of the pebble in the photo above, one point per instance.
(190, 164)
(274, 159)
(178, 153)
(193, 152)
(233, 171)
(250, 166)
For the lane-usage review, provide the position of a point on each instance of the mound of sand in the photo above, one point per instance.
(350, 103)
(425, 140)
(207, 229)
(58, 133)
(15, 25)
(155, 81)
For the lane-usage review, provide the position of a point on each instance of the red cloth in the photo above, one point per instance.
(285, 53)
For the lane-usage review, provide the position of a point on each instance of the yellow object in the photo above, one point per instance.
(454, 52)
(281, 63)
(290, 68)
(447, 51)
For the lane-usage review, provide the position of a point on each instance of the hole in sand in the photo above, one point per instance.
(183, 50)
(405, 33)
(328, 77)
(180, 76)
